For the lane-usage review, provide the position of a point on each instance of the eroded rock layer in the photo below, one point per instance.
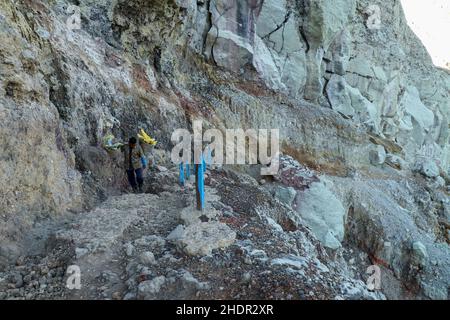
(362, 112)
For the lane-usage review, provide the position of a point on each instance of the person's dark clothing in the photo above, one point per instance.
(132, 157)
(136, 178)
(133, 166)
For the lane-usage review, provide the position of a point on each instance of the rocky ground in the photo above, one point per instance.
(250, 242)
(363, 117)
(155, 246)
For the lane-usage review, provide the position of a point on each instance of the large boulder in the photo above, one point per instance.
(351, 103)
(201, 238)
(414, 107)
(323, 213)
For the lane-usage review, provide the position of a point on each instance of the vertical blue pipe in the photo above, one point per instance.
(201, 182)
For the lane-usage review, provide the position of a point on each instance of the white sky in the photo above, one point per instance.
(430, 21)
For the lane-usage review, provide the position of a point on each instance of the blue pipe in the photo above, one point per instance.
(181, 174)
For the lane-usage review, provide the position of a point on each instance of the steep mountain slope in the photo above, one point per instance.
(355, 100)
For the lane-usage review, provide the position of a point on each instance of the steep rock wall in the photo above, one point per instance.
(337, 88)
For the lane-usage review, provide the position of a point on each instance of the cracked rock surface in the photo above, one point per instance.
(363, 117)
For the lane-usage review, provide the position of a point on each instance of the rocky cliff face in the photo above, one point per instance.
(356, 101)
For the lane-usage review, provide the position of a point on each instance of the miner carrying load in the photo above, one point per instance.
(135, 161)
(134, 164)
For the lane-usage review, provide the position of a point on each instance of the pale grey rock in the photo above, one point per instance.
(150, 288)
(16, 279)
(446, 207)
(28, 55)
(277, 30)
(151, 241)
(292, 261)
(349, 102)
(202, 238)
(396, 161)
(62, 91)
(100, 229)
(285, 195)
(323, 213)
(429, 168)
(366, 111)
(161, 168)
(314, 69)
(435, 293)
(325, 19)
(272, 223)
(389, 98)
(176, 234)
(271, 24)
(190, 283)
(246, 277)
(129, 249)
(388, 211)
(357, 290)
(339, 97)
(414, 107)
(419, 253)
(191, 5)
(339, 54)
(265, 35)
(80, 252)
(130, 296)
(265, 65)
(231, 50)
(439, 182)
(361, 66)
(43, 33)
(230, 40)
(378, 156)
(191, 215)
(147, 258)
